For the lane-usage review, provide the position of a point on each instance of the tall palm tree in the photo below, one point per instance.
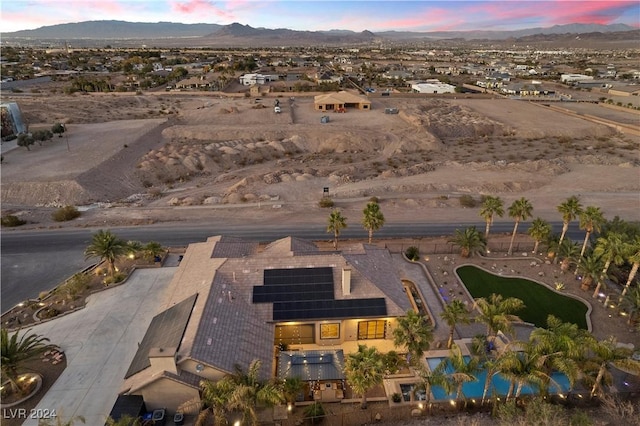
(569, 209)
(565, 344)
(497, 313)
(632, 251)
(107, 247)
(470, 241)
(631, 305)
(337, 222)
(364, 370)
(249, 391)
(215, 397)
(17, 350)
(372, 218)
(491, 207)
(454, 313)
(524, 368)
(607, 353)
(291, 387)
(540, 230)
(463, 371)
(415, 333)
(590, 269)
(591, 220)
(519, 211)
(611, 248)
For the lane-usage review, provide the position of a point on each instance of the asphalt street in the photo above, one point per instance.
(36, 261)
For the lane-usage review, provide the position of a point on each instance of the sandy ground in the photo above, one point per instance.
(207, 152)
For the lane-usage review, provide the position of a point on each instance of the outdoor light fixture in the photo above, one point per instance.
(421, 406)
(289, 407)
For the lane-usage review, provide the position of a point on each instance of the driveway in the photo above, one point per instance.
(100, 342)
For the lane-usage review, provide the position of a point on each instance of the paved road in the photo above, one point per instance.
(35, 261)
(99, 343)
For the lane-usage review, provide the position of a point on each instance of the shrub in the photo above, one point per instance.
(468, 201)
(74, 286)
(314, 412)
(412, 253)
(65, 213)
(11, 221)
(396, 397)
(374, 199)
(326, 202)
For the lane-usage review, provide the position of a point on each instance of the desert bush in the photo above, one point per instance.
(374, 199)
(326, 202)
(468, 201)
(11, 221)
(74, 286)
(118, 277)
(65, 213)
(412, 253)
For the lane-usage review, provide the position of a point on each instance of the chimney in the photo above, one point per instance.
(163, 359)
(346, 281)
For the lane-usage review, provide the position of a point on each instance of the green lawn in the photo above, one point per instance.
(538, 299)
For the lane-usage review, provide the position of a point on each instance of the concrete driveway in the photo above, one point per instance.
(100, 342)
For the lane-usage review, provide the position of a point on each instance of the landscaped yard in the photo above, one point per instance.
(539, 300)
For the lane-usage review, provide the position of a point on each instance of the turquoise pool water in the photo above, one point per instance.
(499, 385)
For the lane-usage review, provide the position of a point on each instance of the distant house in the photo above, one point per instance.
(572, 78)
(624, 91)
(249, 79)
(340, 101)
(432, 86)
(233, 301)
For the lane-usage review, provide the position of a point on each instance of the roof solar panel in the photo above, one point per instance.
(307, 310)
(281, 285)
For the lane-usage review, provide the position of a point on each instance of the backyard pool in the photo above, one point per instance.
(499, 385)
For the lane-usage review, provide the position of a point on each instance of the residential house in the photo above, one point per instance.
(232, 302)
(340, 101)
(432, 86)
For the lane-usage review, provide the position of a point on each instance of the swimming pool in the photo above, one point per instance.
(499, 385)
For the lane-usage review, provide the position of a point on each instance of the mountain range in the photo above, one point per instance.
(173, 34)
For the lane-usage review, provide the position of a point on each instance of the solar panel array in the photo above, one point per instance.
(307, 293)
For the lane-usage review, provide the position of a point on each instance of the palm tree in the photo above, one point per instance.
(415, 333)
(152, 249)
(519, 210)
(524, 368)
(248, 391)
(497, 313)
(130, 421)
(540, 230)
(591, 220)
(470, 241)
(107, 247)
(567, 251)
(463, 371)
(570, 209)
(428, 379)
(491, 207)
(590, 269)
(291, 387)
(611, 248)
(337, 222)
(607, 353)
(454, 313)
(632, 251)
(565, 344)
(631, 304)
(214, 397)
(372, 218)
(16, 351)
(364, 370)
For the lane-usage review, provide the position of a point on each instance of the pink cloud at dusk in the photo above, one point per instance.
(199, 7)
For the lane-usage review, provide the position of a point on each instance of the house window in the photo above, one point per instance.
(295, 334)
(372, 329)
(330, 331)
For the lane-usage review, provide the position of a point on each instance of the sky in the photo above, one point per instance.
(375, 16)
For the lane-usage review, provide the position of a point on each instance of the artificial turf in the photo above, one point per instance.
(539, 300)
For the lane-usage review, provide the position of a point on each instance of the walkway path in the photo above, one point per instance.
(100, 342)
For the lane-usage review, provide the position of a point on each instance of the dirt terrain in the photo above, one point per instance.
(160, 157)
